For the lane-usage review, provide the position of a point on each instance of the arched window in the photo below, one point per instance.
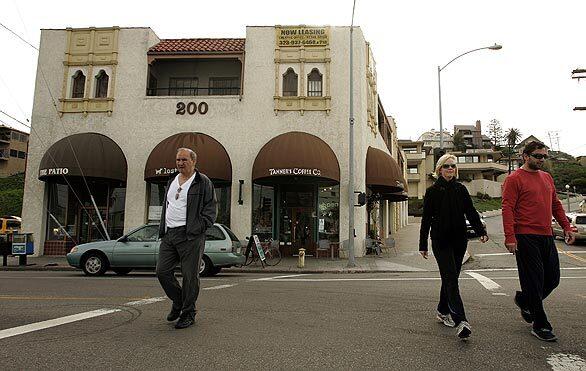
(290, 83)
(78, 86)
(314, 84)
(102, 79)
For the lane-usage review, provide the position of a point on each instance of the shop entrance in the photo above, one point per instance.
(90, 228)
(297, 217)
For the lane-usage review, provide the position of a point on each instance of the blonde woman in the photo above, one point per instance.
(446, 206)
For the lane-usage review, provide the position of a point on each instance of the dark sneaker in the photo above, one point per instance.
(446, 319)
(173, 314)
(544, 334)
(463, 330)
(184, 322)
(527, 316)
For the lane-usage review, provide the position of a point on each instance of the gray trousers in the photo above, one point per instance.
(176, 248)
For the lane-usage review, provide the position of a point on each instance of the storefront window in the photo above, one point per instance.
(223, 194)
(116, 212)
(329, 213)
(263, 198)
(58, 198)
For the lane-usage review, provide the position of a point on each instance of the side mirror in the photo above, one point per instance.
(247, 238)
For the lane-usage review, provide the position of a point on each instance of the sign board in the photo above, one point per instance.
(259, 249)
(19, 248)
(302, 35)
(322, 225)
(294, 171)
(155, 212)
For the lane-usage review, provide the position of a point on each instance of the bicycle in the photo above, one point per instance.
(268, 253)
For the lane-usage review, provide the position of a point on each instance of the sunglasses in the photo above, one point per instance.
(447, 166)
(177, 194)
(538, 156)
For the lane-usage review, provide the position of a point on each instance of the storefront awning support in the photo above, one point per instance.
(99, 216)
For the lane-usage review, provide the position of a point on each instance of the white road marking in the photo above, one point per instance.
(488, 284)
(566, 362)
(146, 301)
(218, 287)
(514, 269)
(279, 277)
(508, 253)
(54, 322)
(391, 279)
(500, 294)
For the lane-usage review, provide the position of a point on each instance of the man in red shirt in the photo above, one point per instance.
(529, 201)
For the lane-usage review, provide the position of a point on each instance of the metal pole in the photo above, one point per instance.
(351, 258)
(439, 87)
(568, 194)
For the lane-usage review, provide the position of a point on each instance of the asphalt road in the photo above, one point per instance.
(252, 321)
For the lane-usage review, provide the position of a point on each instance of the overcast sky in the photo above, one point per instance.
(526, 85)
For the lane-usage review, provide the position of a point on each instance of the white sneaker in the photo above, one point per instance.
(446, 319)
(463, 330)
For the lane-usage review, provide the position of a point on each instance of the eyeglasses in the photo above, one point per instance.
(177, 194)
(447, 166)
(538, 156)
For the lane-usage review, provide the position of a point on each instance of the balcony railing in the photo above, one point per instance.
(173, 91)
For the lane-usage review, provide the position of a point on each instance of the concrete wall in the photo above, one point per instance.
(492, 188)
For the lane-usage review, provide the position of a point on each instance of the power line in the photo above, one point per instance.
(17, 35)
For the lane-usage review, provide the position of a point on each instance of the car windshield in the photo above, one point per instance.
(230, 233)
(581, 220)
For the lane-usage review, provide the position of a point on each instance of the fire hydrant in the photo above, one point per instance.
(301, 260)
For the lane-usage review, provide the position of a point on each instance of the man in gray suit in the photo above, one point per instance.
(189, 209)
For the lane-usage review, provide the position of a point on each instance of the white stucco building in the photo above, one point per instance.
(267, 115)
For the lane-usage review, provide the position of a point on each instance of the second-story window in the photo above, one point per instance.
(78, 86)
(290, 83)
(102, 84)
(183, 85)
(224, 86)
(314, 84)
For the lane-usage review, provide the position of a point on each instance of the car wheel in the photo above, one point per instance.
(95, 264)
(206, 267)
(122, 271)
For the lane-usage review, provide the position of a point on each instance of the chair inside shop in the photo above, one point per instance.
(323, 246)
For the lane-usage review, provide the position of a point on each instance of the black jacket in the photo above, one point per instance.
(201, 206)
(445, 208)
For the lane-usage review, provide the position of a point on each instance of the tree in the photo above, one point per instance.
(495, 133)
(459, 142)
(512, 136)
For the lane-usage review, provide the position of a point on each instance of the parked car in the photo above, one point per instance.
(577, 222)
(139, 249)
(470, 231)
(9, 224)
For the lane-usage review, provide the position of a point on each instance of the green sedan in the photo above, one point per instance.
(140, 249)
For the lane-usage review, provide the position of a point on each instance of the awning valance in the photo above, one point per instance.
(212, 158)
(395, 197)
(383, 174)
(93, 155)
(296, 154)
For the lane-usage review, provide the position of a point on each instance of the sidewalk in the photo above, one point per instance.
(404, 259)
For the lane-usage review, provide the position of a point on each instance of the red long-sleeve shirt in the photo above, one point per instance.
(529, 201)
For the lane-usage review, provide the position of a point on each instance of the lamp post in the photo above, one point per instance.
(439, 86)
(568, 196)
(351, 258)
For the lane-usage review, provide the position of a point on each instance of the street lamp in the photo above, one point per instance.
(568, 196)
(351, 258)
(439, 70)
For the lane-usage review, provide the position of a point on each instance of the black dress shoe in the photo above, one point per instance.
(173, 315)
(184, 322)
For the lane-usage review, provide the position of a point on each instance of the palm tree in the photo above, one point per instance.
(513, 136)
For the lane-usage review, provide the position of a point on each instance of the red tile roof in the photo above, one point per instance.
(197, 46)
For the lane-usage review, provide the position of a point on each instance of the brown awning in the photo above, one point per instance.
(98, 157)
(395, 197)
(296, 154)
(383, 174)
(212, 158)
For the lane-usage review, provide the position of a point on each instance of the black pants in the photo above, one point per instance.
(176, 248)
(539, 274)
(449, 255)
